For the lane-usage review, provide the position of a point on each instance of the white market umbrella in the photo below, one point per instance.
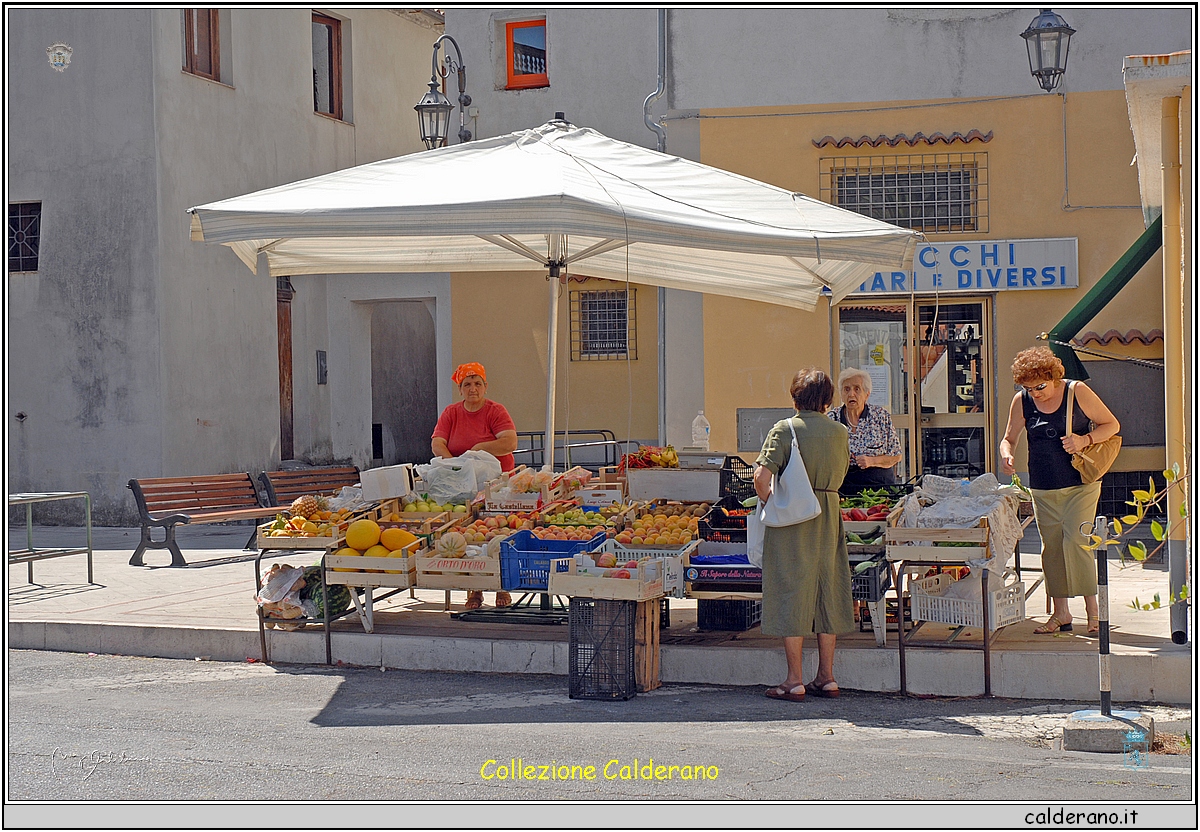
(567, 199)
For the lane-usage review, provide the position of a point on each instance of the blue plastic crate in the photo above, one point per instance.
(525, 559)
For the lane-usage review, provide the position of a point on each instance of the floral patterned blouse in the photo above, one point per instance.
(875, 434)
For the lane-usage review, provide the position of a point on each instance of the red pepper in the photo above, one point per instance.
(857, 514)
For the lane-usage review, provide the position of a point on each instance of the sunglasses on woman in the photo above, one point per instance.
(1039, 388)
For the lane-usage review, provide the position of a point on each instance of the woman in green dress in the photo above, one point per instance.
(806, 571)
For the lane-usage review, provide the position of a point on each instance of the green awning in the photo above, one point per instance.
(1098, 297)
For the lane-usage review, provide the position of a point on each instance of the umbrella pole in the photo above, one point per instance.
(552, 356)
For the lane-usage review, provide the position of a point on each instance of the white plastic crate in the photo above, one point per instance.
(1006, 605)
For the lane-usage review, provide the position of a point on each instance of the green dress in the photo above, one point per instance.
(806, 571)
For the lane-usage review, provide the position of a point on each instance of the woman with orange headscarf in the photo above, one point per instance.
(476, 424)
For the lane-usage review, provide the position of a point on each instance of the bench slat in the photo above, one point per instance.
(288, 485)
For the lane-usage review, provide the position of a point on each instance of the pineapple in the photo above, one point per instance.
(307, 506)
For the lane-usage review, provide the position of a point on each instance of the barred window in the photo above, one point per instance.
(937, 192)
(604, 325)
(24, 236)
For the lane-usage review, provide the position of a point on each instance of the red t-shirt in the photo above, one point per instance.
(463, 430)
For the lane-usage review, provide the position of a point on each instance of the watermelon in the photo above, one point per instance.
(339, 594)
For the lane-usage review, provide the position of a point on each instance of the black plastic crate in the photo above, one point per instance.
(889, 604)
(602, 649)
(871, 583)
(725, 614)
(737, 478)
(718, 528)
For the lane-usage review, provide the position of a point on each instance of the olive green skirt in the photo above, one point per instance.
(1069, 569)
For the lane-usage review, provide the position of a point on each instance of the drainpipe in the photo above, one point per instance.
(1173, 357)
(662, 293)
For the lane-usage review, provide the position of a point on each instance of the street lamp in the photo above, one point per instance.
(433, 110)
(1047, 40)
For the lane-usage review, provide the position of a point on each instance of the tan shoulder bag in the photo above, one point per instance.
(1092, 462)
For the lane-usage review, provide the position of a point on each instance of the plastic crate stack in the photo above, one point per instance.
(730, 615)
(602, 649)
(737, 478)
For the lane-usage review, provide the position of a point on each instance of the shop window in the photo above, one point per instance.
(935, 192)
(24, 236)
(327, 65)
(604, 325)
(201, 43)
(526, 54)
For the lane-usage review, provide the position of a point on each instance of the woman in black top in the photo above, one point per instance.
(1061, 501)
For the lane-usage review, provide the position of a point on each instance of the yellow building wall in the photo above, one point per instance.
(749, 363)
(501, 319)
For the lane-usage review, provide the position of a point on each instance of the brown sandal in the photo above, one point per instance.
(503, 599)
(1053, 626)
(788, 693)
(474, 600)
(829, 690)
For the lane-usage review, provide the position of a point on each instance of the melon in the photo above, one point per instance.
(362, 534)
(346, 552)
(451, 545)
(395, 539)
(376, 551)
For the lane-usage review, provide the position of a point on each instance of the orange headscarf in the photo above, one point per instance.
(469, 369)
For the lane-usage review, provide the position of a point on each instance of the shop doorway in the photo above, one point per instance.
(403, 381)
(929, 363)
(952, 389)
(877, 339)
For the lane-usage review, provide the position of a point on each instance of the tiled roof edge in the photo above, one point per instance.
(901, 138)
(1114, 335)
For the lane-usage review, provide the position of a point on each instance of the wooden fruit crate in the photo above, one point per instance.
(364, 571)
(924, 542)
(565, 579)
(646, 646)
(457, 573)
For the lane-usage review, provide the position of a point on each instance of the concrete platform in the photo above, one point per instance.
(207, 610)
(1090, 730)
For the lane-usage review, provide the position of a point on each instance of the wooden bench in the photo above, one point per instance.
(167, 502)
(282, 487)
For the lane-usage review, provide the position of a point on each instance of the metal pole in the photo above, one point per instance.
(1100, 527)
(662, 293)
(552, 354)
(1173, 358)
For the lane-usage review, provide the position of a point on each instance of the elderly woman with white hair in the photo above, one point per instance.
(874, 444)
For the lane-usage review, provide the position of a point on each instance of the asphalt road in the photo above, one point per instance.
(119, 728)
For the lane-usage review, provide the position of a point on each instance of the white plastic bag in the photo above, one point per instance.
(459, 479)
(756, 531)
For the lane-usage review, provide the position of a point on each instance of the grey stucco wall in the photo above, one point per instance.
(83, 332)
(136, 352)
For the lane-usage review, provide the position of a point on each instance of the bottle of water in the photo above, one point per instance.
(700, 429)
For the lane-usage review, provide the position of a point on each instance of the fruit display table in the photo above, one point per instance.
(29, 554)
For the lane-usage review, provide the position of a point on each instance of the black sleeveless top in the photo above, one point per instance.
(1049, 465)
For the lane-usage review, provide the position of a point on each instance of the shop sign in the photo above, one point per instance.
(986, 266)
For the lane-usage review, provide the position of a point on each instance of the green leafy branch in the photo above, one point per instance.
(1142, 502)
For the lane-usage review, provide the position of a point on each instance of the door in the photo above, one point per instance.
(283, 308)
(876, 338)
(403, 381)
(953, 379)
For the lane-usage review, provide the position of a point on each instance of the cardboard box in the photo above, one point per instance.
(382, 483)
(674, 484)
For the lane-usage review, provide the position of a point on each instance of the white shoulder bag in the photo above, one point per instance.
(792, 497)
